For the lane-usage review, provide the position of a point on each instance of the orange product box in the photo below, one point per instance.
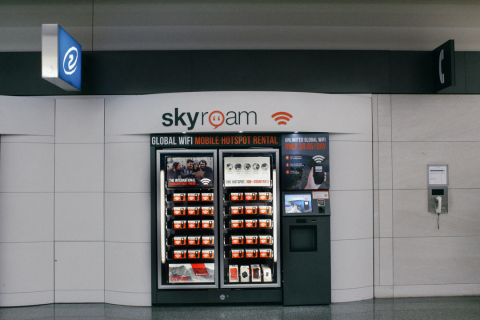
(193, 211)
(179, 197)
(236, 224)
(251, 253)
(179, 211)
(265, 210)
(251, 239)
(207, 211)
(265, 223)
(208, 254)
(193, 197)
(179, 241)
(207, 196)
(266, 253)
(194, 254)
(237, 253)
(208, 240)
(250, 196)
(207, 224)
(265, 239)
(236, 210)
(251, 210)
(179, 224)
(265, 196)
(250, 223)
(237, 240)
(236, 196)
(194, 224)
(179, 254)
(193, 240)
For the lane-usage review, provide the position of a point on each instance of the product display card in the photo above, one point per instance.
(247, 171)
(191, 272)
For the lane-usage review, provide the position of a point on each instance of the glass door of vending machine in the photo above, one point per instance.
(249, 218)
(187, 219)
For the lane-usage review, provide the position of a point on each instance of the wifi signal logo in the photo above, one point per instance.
(282, 117)
(205, 181)
(318, 158)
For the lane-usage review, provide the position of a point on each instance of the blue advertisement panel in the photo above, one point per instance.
(305, 161)
(69, 59)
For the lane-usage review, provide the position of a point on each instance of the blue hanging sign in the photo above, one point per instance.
(61, 58)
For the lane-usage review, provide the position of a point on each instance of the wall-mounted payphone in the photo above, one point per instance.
(438, 190)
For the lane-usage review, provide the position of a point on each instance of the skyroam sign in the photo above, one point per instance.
(215, 118)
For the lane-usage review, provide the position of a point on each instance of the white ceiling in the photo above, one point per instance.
(236, 24)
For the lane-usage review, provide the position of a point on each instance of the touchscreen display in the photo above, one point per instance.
(298, 203)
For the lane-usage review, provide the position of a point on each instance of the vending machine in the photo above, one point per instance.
(249, 227)
(218, 207)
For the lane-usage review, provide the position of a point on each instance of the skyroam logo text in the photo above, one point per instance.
(215, 118)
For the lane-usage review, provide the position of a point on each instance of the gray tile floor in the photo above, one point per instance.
(409, 308)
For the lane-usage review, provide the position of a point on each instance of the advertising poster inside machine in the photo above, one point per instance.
(305, 161)
(247, 171)
(190, 171)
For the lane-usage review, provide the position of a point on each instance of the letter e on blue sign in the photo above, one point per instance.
(70, 59)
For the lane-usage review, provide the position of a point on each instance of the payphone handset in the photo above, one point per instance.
(438, 204)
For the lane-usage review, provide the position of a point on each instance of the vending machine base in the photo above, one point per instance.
(306, 260)
(219, 296)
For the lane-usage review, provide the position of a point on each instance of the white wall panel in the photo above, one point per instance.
(26, 299)
(352, 264)
(127, 138)
(351, 214)
(27, 167)
(25, 115)
(435, 118)
(128, 267)
(22, 138)
(352, 294)
(79, 167)
(376, 261)
(386, 213)
(386, 261)
(127, 167)
(79, 120)
(127, 217)
(410, 160)
(128, 298)
(26, 267)
(411, 217)
(351, 165)
(79, 266)
(383, 291)
(444, 290)
(26, 217)
(384, 117)
(350, 136)
(79, 296)
(436, 260)
(376, 214)
(79, 217)
(385, 165)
